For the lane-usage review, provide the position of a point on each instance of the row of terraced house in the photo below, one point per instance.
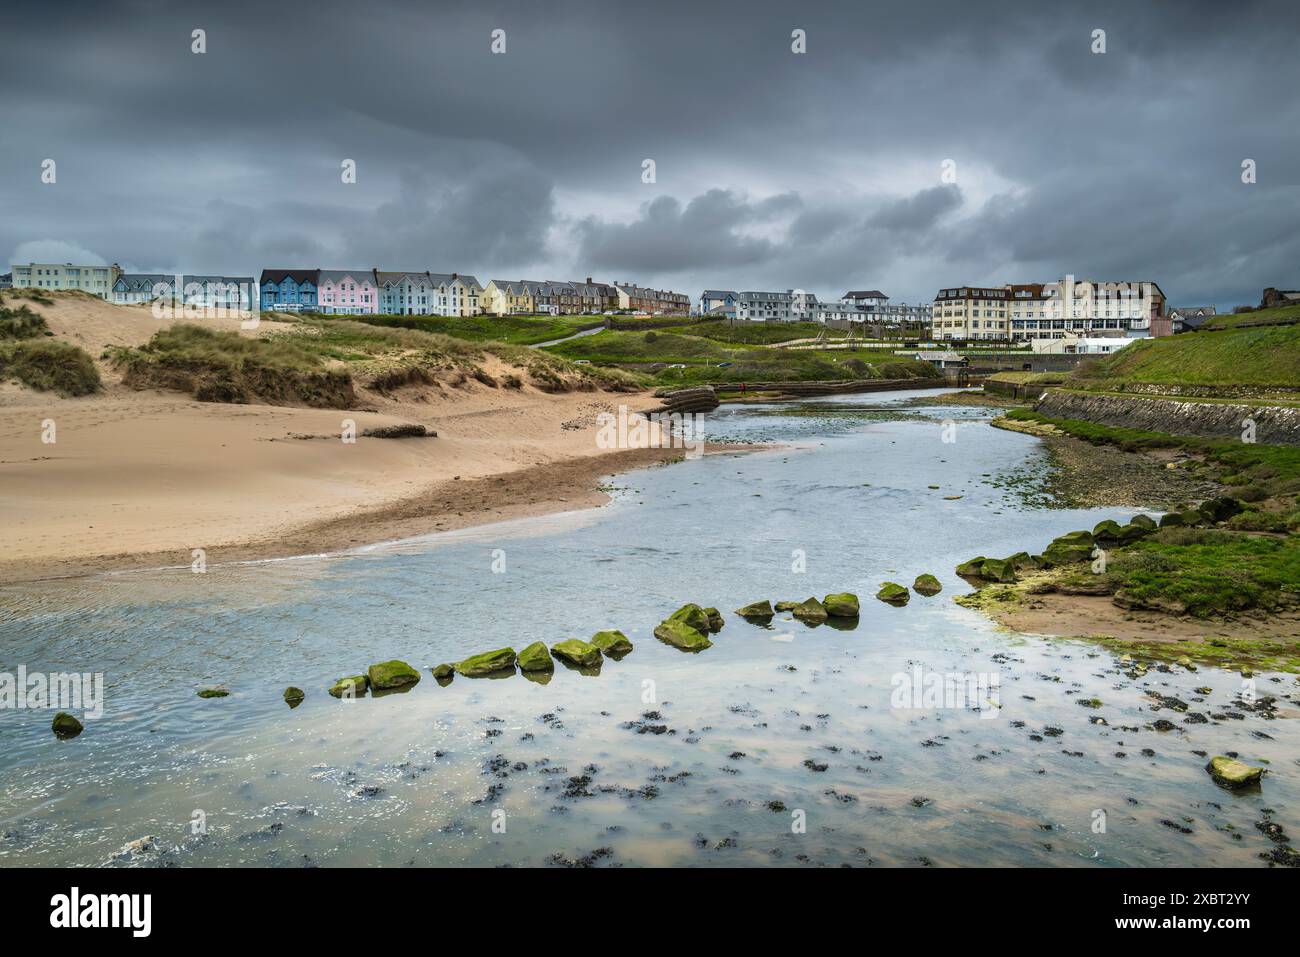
(376, 291)
(348, 292)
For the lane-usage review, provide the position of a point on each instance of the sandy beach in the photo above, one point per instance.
(140, 479)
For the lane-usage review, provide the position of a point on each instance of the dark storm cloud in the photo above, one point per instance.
(775, 170)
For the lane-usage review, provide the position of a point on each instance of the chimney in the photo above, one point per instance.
(588, 280)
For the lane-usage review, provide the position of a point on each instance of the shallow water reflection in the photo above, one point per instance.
(660, 758)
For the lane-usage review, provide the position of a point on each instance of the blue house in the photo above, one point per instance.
(289, 290)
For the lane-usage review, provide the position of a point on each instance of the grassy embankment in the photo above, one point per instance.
(1240, 554)
(30, 357)
(1218, 362)
(511, 330)
(321, 362)
(711, 353)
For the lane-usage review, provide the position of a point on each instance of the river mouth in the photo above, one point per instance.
(780, 745)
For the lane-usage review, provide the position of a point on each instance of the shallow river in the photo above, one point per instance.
(780, 745)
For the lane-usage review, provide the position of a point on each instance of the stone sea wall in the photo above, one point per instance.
(1274, 425)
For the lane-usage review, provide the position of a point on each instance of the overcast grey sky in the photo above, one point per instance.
(774, 170)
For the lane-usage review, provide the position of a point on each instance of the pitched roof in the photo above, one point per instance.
(864, 294)
(717, 293)
(297, 275)
(336, 275)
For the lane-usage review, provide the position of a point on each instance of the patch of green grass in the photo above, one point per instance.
(1208, 572)
(515, 330)
(707, 361)
(758, 333)
(49, 366)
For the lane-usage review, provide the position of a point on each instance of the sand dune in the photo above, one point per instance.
(142, 478)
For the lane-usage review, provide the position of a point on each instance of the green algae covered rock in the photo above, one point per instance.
(998, 570)
(612, 643)
(392, 674)
(1069, 548)
(1233, 774)
(692, 616)
(1131, 533)
(1022, 560)
(66, 726)
(756, 610)
(1074, 538)
(716, 620)
(213, 693)
(1220, 509)
(293, 695)
(681, 635)
(351, 687)
(577, 652)
(1144, 521)
(810, 609)
(927, 585)
(894, 594)
(787, 605)
(487, 663)
(841, 605)
(1107, 530)
(535, 658)
(971, 568)
(444, 672)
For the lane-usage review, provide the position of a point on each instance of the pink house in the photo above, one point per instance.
(348, 292)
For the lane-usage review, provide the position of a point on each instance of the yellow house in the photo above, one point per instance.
(502, 297)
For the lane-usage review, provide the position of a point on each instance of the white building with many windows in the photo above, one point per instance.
(96, 280)
(1054, 310)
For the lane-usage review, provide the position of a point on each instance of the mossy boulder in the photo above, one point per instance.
(66, 726)
(1131, 533)
(535, 657)
(716, 621)
(756, 610)
(444, 672)
(1220, 509)
(681, 635)
(388, 675)
(787, 605)
(971, 568)
(1107, 530)
(1069, 548)
(842, 604)
(487, 663)
(894, 594)
(213, 693)
(612, 643)
(810, 610)
(293, 695)
(351, 687)
(1022, 560)
(1233, 774)
(998, 570)
(1172, 519)
(927, 585)
(692, 616)
(1144, 521)
(577, 652)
